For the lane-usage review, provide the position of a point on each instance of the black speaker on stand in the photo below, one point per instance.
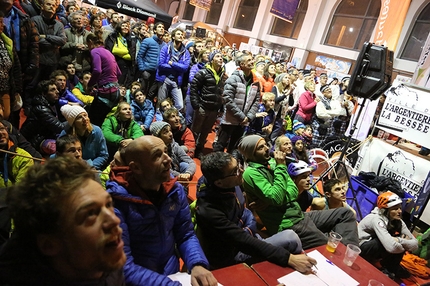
(370, 78)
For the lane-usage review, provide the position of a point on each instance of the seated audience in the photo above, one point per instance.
(264, 119)
(143, 110)
(383, 235)
(227, 229)
(182, 165)
(335, 196)
(13, 167)
(283, 144)
(120, 129)
(94, 148)
(43, 125)
(181, 133)
(73, 236)
(69, 145)
(65, 95)
(275, 188)
(301, 152)
(81, 90)
(155, 217)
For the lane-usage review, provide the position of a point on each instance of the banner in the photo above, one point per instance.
(284, 9)
(421, 202)
(387, 160)
(422, 72)
(406, 113)
(202, 4)
(390, 22)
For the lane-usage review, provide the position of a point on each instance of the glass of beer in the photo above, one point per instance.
(333, 240)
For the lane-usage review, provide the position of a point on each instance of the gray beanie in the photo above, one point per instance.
(280, 77)
(157, 126)
(247, 146)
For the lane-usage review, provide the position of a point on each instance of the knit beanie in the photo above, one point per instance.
(189, 44)
(70, 112)
(247, 146)
(297, 125)
(156, 127)
(280, 77)
(296, 138)
(212, 54)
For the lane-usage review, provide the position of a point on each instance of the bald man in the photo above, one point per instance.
(155, 217)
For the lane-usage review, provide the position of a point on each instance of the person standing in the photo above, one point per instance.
(241, 98)
(206, 98)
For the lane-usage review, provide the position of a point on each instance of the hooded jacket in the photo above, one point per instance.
(153, 231)
(179, 66)
(225, 227)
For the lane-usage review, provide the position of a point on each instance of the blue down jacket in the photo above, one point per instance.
(152, 232)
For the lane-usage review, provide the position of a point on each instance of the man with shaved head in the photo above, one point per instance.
(155, 217)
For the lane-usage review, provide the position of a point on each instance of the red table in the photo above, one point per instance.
(239, 274)
(361, 270)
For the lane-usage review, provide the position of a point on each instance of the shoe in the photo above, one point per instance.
(424, 152)
(402, 273)
(388, 273)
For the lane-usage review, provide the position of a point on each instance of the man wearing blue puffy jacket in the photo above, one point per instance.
(155, 217)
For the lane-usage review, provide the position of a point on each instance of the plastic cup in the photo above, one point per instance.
(333, 240)
(373, 282)
(351, 253)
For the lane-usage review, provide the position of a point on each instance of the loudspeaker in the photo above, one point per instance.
(200, 33)
(372, 73)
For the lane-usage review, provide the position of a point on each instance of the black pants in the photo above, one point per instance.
(373, 250)
(226, 132)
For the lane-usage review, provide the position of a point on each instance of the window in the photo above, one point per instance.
(189, 11)
(418, 36)
(286, 29)
(212, 16)
(353, 23)
(246, 14)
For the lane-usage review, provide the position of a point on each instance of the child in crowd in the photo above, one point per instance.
(81, 89)
(298, 128)
(133, 87)
(264, 118)
(302, 153)
(143, 110)
(307, 136)
(72, 78)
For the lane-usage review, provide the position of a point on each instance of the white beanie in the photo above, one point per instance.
(70, 112)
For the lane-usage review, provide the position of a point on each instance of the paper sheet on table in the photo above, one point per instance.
(184, 278)
(327, 274)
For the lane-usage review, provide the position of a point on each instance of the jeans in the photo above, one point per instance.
(287, 239)
(171, 88)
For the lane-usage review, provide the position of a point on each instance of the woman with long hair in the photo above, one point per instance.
(384, 235)
(94, 148)
(307, 103)
(120, 129)
(267, 81)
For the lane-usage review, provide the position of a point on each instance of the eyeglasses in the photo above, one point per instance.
(236, 172)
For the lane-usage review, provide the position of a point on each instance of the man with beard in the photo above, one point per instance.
(73, 236)
(279, 192)
(147, 60)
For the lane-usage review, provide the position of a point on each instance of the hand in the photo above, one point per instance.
(317, 99)
(257, 205)
(124, 143)
(42, 36)
(267, 129)
(80, 46)
(202, 112)
(184, 177)
(143, 128)
(170, 62)
(279, 157)
(301, 263)
(200, 276)
(245, 121)
(261, 114)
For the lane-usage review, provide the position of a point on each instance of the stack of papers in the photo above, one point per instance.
(327, 274)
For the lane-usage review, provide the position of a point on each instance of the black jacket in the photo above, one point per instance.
(42, 123)
(225, 227)
(205, 92)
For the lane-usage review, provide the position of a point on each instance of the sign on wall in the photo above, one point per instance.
(406, 113)
(284, 9)
(202, 4)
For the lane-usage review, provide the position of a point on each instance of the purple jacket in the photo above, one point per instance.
(105, 69)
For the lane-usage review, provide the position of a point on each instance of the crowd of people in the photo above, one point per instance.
(118, 108)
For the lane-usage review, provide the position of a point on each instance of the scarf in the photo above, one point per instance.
(326, 102)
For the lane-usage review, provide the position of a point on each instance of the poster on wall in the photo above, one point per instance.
(387, 160)
(334, 65)
(422, 72)
(406, 113)
(284, 9)
(202, 4)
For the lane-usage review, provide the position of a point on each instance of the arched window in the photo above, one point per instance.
(418, 36)
(353, 23)
(290, 30)
(189, 11)
(246, 14)
(213, 15)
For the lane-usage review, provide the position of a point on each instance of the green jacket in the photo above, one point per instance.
(277, 189)
(110, 131)
(16, 166)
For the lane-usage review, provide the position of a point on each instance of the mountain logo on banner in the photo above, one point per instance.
(119, 5)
